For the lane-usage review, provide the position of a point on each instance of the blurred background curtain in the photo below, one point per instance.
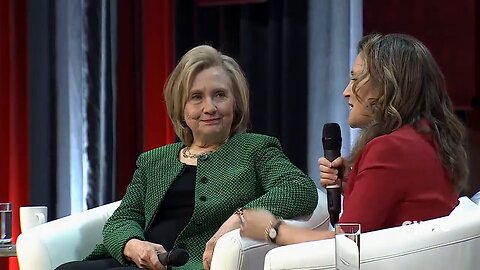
(269, 40)
(104, 120)
(90, 124)
(335, 27)
(71, 91)
(42, 104)
(101, 101)
(297, 56)
(85, 104)
(14, 109)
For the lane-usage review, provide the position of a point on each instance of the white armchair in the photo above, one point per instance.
(72, 238)
(451, 242)
(66, 239)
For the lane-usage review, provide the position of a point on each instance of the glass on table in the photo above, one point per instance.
(347, 246)
(5, 223)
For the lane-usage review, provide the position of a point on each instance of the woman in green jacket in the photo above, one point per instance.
(184, 195)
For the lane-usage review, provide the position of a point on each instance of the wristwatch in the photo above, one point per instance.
(273, 231)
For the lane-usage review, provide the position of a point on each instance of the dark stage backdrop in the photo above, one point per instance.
(269, 40)
(446, 27)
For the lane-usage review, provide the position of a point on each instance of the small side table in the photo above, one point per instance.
(8, 250)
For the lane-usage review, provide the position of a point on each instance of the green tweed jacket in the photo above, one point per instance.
(249, 170)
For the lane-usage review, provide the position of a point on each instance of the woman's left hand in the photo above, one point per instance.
(231, 224)
(255, 223)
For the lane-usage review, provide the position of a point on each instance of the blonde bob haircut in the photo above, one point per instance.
(180, 82)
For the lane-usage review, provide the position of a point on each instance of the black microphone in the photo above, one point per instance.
(332, 143)
(175, 257)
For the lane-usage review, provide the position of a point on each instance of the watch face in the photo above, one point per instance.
(272, 233)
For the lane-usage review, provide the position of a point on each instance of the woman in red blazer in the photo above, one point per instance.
(408, 163)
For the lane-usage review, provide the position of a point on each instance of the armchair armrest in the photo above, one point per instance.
(66, 239)
(235, 252)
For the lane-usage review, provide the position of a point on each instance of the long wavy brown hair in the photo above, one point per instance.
(411, 87)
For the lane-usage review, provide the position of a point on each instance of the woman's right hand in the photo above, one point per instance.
(144, 254)
(329, 171)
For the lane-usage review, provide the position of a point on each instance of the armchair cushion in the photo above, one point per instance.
(451, 242)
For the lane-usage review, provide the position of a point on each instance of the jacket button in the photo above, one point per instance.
(204, 180)
(203, 198)
(204, 157)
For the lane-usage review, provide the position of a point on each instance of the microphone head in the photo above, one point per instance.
(331, 138)
(178, 257)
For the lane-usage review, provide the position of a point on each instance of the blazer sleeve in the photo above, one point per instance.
(128, 220)
(288, 191)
